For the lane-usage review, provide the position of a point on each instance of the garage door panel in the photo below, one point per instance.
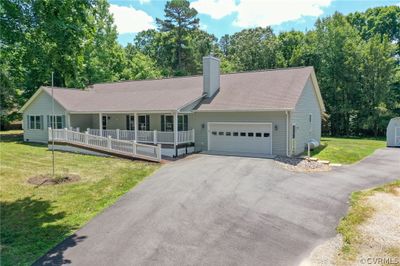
(240, 137)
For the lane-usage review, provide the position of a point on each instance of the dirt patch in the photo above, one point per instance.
(381, 233)
(379, 236)
(47, 180)
(301, 165)
(326, 253)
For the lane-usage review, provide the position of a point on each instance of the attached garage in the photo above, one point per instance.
(240, 137)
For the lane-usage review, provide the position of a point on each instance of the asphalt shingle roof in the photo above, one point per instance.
(270, 90)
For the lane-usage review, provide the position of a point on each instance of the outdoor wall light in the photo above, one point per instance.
(276, 127)
(203, 126)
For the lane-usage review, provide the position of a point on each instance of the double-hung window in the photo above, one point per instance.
(143, 122)
(35, 121)
(167, 123)
(59, 121)
(130, 122)
(183, 123)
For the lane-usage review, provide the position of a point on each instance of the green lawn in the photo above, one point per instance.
(34, 219)
(346, 150)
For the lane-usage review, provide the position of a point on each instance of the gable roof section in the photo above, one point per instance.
(38, 92)
(273, 90)
(128, 96)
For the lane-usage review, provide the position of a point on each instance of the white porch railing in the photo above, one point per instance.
(143, 136)
(100, 143)
(183, 136)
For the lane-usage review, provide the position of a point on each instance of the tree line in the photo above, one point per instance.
(356, 56)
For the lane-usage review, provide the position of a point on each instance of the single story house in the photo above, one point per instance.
(393, 132)
(269, 112)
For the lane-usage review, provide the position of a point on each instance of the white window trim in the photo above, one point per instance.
(41, 122)
(183, 122)
(63, 122)
(165, 123)
(130, 125)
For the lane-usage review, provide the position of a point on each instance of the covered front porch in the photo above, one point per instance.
(173, 130)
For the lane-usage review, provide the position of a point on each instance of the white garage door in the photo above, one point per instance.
(240, 137)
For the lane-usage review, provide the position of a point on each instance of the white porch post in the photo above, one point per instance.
(176, 132)
(155, 137)
(136, 126)
(67, 120)
(101, 124)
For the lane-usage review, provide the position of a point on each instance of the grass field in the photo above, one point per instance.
(36, 218)
(346, 150)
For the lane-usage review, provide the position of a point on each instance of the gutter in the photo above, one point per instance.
(242, 110)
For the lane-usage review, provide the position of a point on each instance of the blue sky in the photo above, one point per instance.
(221, 17)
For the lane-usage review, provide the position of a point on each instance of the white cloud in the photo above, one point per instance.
(262, 13)
(131, 20)
(217, 9)
(274, 12)
(144, 1)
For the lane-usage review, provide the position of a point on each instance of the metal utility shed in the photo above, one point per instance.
(393, 133)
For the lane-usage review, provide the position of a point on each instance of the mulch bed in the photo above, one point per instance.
(301, 165)
(46, 180)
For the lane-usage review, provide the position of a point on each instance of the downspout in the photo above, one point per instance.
(287, 133)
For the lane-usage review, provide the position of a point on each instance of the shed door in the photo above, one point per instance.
(240, 137)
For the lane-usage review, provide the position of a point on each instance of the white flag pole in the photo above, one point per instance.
(52, 119)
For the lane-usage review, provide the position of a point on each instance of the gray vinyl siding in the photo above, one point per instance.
(115, 121)
(307, 104)
(155, 121)
(277, 119)
(83, 121)
(42, 105)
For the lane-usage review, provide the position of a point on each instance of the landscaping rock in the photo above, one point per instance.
(301, 165)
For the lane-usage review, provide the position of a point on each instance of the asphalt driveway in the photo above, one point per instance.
(219, 210)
